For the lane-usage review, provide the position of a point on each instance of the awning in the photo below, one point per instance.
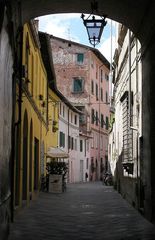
(56, 153)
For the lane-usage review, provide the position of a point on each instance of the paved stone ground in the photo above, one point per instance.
(88, 211)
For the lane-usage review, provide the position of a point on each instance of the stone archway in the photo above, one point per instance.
(139, 17)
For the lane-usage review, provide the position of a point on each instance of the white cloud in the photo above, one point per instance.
(58, 25)
(106, 46)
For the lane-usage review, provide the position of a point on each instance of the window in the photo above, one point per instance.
(106, 76)
(92, 116)
(82, 119)
(85, 142)
(101, 75)
(96, 91)
(81, 146)
(96, 71)
(75, 119)
(77, 85)
(75, 144)
(127, 132)
(69, 142)
(107, 123)
(87, 163)
(106, 97)
(102, 121)
(82, 116)
(97, 118)
(62, 139)
(63, 111)
(72, 143)
(92, 63)
(60, 109)
(92, 87)
(80, 58)
(71, 117)
(101, 94)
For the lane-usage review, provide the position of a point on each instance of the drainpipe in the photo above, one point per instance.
(138, 159)
(99, 142)
(68, 132)
(68, 149)
(129, 96)
(110, 80)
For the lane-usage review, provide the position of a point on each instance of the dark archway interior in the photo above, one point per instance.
(136, 15)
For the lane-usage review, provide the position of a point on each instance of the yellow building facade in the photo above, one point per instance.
(53, 119)
(36, 126)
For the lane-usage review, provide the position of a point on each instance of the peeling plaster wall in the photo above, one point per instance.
(66, 68)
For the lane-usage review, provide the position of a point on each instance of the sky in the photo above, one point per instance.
(70, 27)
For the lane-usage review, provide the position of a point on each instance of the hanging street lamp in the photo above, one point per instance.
(94, 25)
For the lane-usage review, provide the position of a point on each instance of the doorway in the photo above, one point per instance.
(36, 164)
(25, 156)
(30, 159)
(81, 171)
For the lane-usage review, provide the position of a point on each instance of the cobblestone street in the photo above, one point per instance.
(85, 211)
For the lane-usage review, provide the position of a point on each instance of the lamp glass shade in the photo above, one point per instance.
(94, 29)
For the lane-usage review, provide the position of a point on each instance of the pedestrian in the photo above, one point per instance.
(86, 176)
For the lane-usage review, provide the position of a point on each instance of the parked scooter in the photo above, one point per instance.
(108, 179)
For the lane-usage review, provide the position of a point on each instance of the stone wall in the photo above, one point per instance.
(6, 63)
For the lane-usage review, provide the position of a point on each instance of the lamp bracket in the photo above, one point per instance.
(94, 6)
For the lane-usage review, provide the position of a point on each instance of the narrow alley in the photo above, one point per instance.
(84, 211)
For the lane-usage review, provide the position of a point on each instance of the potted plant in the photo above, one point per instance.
(57, 172)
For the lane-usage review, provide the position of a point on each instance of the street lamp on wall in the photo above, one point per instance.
(94, 25)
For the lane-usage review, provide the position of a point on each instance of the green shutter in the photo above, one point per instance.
(78, 86)
(80, 57)
(107, 123)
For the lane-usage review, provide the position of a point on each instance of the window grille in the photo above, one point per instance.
(127, 132)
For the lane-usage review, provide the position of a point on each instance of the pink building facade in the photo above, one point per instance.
(82, 75)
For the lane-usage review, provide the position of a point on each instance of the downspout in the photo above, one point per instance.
(99, 147)
(17, 78)
(110, 84)
(99, 142)
(131, 127)
(129, 96)
(138, 159)
(68, 131)
(68, 150)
